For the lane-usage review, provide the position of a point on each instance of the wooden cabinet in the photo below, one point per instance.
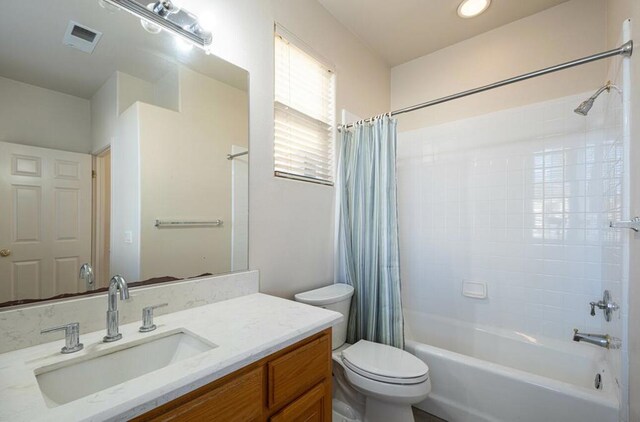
(297, 371)
(310, 407)
(291, 385)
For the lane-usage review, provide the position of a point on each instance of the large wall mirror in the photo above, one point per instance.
(125, 150)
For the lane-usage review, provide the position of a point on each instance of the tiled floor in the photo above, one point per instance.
(421, 416)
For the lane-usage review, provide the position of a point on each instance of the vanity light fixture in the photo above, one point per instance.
(164, 14)
(472, 8)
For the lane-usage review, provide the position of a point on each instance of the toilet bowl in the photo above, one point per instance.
(375, 382)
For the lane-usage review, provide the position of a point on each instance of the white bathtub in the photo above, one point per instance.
(488, 374)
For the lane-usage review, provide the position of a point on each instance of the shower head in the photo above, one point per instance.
(585, 106)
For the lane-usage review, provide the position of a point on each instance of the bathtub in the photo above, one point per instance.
(489, 374)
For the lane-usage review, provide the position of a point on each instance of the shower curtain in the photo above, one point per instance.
(367, 232)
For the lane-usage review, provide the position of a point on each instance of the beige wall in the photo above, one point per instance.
(40, 117)
(118, 93)
(291, 223)
(617, 11)
(571, 30)
(185, 174)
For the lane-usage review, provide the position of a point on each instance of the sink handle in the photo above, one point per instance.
(71, 336)
(147, 318)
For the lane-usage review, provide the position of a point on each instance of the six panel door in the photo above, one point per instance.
(45, 221)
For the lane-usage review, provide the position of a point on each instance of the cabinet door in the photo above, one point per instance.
(294, 373)
(240, 400)
(311, 407)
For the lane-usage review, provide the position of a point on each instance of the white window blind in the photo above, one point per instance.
(304, 111)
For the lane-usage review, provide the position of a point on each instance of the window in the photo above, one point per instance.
(304, 111)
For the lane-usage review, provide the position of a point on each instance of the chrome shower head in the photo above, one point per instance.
(585, 106)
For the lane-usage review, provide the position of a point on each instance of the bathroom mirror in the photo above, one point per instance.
(120, 148)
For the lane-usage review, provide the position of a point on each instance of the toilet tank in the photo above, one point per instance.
(336, 297)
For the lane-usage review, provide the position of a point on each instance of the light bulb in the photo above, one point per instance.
(472, 8)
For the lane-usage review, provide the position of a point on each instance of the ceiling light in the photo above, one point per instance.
(164, 14)
(472, 8)
(149, 26)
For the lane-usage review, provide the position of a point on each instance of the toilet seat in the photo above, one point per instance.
(383, 363)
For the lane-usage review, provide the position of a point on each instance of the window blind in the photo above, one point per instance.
(304, 113)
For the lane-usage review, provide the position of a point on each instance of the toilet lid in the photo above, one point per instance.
(384, 363)
(326, 295)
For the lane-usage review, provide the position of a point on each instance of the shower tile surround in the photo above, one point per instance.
(519, 199)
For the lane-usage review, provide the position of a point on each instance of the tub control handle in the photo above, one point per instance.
(606, 304)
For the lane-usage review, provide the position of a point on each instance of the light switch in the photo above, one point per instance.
(128, 237)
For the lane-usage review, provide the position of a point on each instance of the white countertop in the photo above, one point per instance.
(245, 329)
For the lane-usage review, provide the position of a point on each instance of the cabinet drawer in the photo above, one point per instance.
(237, 400)
(311, 407)
(299, 370)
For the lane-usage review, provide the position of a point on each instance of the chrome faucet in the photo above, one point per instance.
(602, 340)
(86, 273)
(116, 283)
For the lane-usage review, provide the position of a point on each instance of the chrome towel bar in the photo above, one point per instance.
(179, 223)
(238, 154)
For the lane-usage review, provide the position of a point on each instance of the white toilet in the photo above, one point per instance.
(372, 382)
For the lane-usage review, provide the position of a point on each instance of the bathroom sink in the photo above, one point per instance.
(90, 374)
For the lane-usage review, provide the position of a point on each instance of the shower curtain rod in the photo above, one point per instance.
(625, 50)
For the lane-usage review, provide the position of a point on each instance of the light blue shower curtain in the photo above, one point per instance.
(367, 237)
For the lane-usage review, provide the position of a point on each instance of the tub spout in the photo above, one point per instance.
(602, 340)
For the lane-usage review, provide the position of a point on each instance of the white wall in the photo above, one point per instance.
(125, 199)
(617, 12)
(131, 89)
(40, 117)
(104, 114)
(239, 209)
(615, 275)
(568, 31)
(291, 223)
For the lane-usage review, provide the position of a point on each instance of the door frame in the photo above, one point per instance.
(101, 208)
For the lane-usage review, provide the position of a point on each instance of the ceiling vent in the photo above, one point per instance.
(81, 37)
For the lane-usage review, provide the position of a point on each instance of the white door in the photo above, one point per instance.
(45, 221)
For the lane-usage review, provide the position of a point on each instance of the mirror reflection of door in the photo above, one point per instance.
(46, 220)
(100, 143)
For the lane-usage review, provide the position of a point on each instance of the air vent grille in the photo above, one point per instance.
(81, 37)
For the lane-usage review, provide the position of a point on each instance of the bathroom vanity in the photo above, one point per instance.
(292, 384)
(251, 358)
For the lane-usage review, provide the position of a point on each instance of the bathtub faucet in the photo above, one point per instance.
(602, 340)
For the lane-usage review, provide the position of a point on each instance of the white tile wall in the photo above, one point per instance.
(519, 199)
